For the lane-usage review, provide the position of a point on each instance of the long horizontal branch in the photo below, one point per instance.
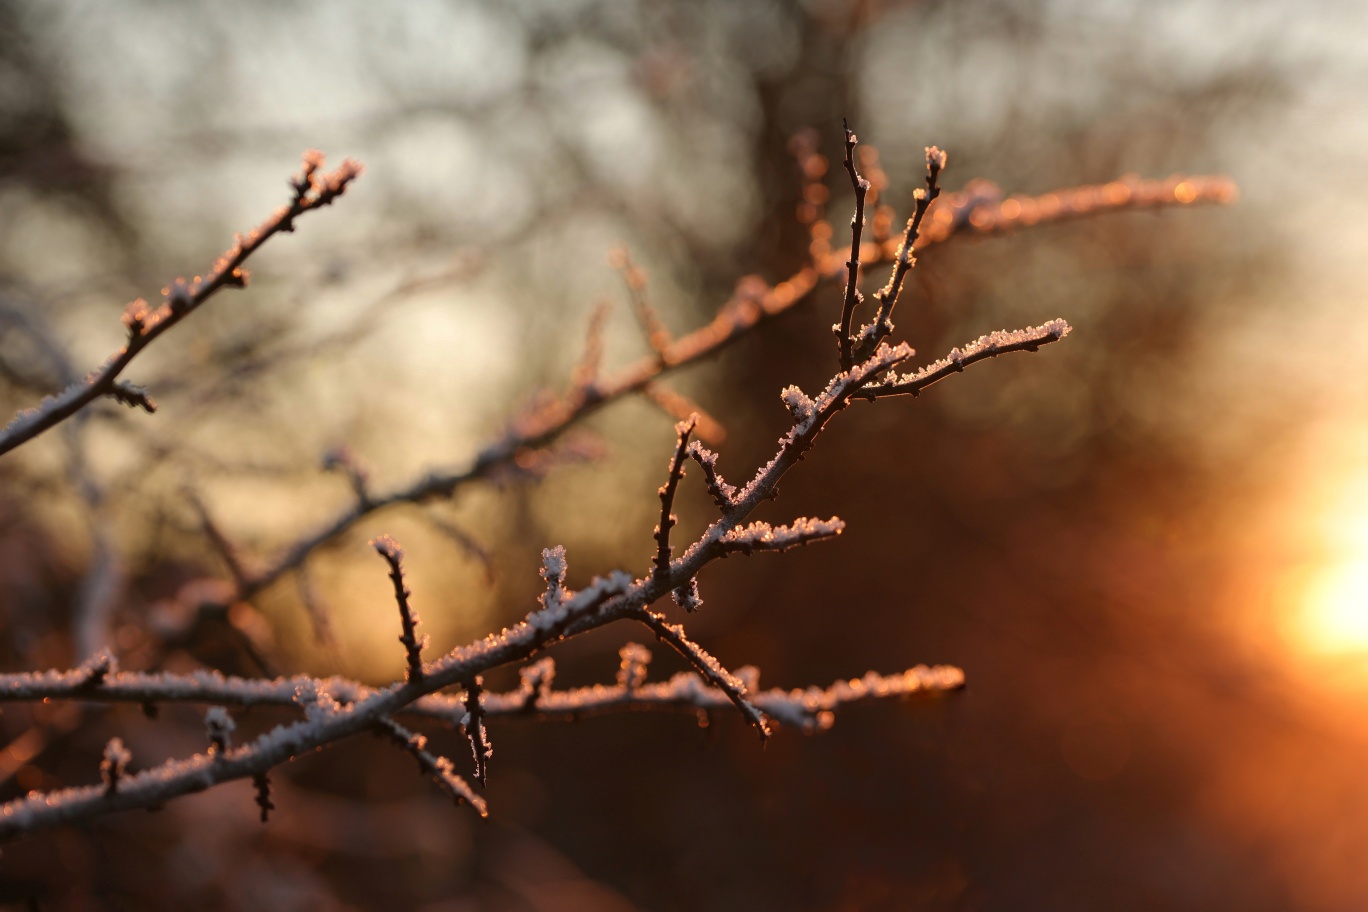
(311, 191)
(808, 708)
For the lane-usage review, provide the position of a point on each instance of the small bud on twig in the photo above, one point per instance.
(114, 764)
(220, 726)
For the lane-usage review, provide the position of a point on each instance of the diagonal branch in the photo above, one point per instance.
(657, 335)
(723, 494)
(708, 668)
(984, 347)
(439, 768)
(312, 190)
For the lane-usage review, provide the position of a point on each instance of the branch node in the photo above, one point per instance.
(132, 395)
(687, 597)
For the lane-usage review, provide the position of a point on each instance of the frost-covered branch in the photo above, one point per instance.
(708, 668)
(723, 494)
(326, 711)
(980, 209)
(562, 614)
(534, 698)
(439, 769)
(987, 346)
(312, 189)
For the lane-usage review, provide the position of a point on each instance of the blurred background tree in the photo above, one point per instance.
(1147, 550)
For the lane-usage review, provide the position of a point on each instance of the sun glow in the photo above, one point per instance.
(1335, 608)
(1333, 602)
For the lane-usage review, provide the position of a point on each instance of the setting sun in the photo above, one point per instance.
(1333, 603)
(1335, 608)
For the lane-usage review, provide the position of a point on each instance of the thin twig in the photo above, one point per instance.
(658, 337)
(311, 191)
(877, 330)
(667, 493)
(438, 768)
(852, 292)
(389, 549)
(708, 668)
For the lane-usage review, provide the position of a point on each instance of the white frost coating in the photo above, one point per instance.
(553, 564)
(723, 494)
(318, 704)
(843, 384)
(553, 611)
(798, 403)
(687, 596)
(810, 709)
(616, 596)
(761, 536)
(836, 394)
(439, 768)
(985, 346)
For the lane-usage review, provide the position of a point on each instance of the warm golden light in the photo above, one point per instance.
(1333, 604)
(1335, 608)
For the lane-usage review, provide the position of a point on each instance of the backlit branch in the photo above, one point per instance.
(707, 667)
(145, 323)
(978, 210)
(326, 711)
(439, 769)
(534, 698)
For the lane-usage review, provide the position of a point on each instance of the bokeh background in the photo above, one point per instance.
(1147, 547)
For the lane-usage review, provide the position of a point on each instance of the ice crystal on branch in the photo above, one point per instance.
(761, 536)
